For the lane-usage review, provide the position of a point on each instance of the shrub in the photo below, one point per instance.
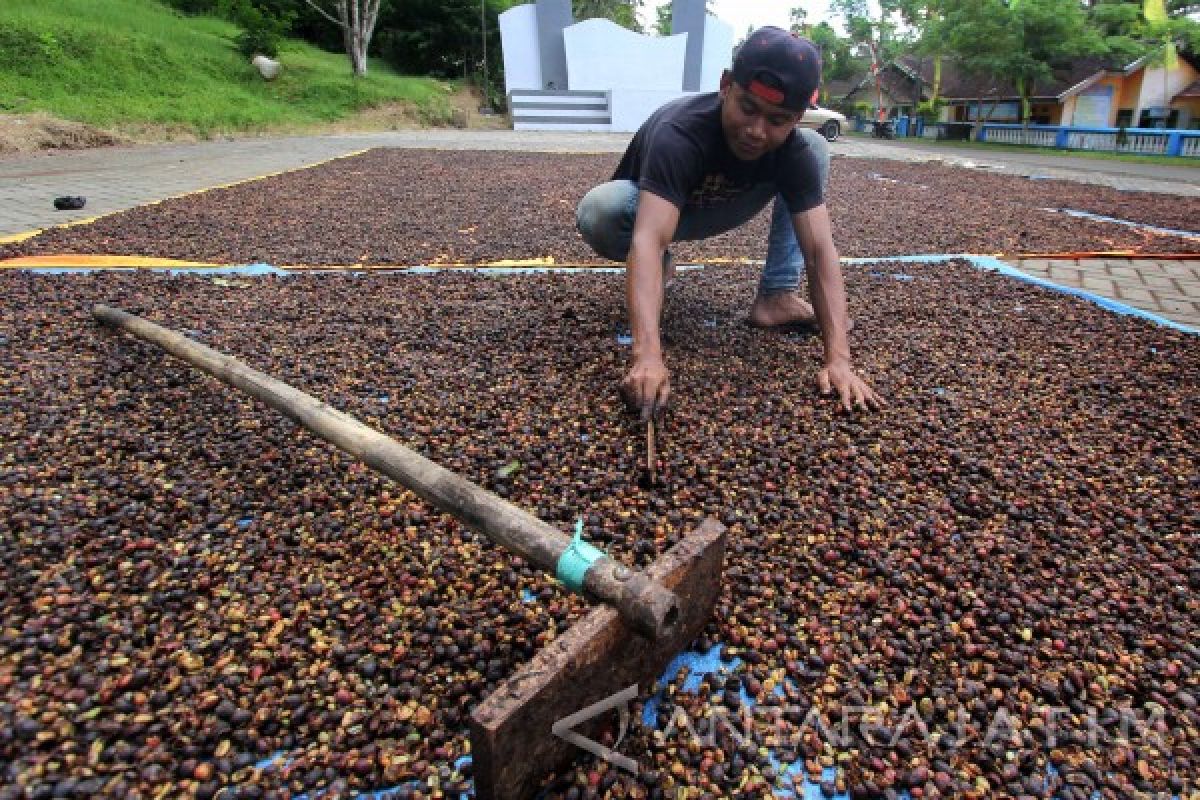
(259, 40)
(194, 6)
(931, 111)
(437, 113)
(26, 51)
(262, 29)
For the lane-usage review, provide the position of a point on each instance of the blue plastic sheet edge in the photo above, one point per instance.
(242, 270)
(1071, 212)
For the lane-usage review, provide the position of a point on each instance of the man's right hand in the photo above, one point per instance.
(647, 387)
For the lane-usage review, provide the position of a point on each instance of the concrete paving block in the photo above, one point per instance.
(1033, 265)
(1176, 296)
(1137, 296)
(1062, 263)
(1067, 276)
(1175, 305)
(1189, 289)
(1178, 269)
(1157, 281)
(1128, 273)
(1101, 285)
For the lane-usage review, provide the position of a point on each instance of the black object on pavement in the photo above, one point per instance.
(70, 203)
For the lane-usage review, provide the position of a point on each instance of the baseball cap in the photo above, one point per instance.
(779, 67)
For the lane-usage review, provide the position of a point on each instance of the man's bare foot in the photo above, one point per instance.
(780, 309)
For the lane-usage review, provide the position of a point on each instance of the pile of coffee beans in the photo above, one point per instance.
(991, 585)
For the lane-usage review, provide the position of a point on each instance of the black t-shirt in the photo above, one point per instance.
(680, 154)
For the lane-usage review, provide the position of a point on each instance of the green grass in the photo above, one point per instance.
(990, 147)
(129, 64)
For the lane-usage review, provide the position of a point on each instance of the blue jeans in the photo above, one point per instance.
(606, 214)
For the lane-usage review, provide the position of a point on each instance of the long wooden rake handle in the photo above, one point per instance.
(646, 606)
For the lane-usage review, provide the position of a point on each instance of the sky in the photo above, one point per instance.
(741, 14)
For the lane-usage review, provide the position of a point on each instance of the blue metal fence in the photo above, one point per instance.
(1148, 141)
(1151, 141)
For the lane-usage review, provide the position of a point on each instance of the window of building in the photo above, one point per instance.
(1152, 118)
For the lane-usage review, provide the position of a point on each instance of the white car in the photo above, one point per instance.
(829, 122)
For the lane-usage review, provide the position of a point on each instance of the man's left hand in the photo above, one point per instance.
(853, 390)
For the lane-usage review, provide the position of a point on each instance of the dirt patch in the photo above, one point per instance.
(38, 132)
(459, 109)
(29, 133)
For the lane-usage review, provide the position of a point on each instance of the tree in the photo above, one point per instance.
(662, 21)
(878, 34)
(921, 17)
(1049, 34)
(979, 36)
(443, 38)
(799, 18)
(838, 60)
(1170, 23)
(1018, 41)
(863, 28)
(622, 12)
(1119, 23)
(356, 18)
(663, 17)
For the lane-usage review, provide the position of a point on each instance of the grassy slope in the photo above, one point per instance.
(131, 63)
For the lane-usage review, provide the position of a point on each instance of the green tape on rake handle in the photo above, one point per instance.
(576, 560)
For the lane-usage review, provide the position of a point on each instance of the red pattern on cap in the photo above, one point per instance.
(759, 88)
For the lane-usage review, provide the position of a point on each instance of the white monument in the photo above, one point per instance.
(614, 78)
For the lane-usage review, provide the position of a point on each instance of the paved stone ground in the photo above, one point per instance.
(115, 179)
(118, 178)
(1170, 288)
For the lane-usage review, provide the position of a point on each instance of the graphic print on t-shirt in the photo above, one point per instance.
(715, 189)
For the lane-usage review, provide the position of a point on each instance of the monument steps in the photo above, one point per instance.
(566, 110)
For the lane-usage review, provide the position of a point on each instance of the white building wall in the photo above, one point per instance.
(603, 55)
(1177, 80)
(522, 59)
(1152, 94)
(718, 53)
